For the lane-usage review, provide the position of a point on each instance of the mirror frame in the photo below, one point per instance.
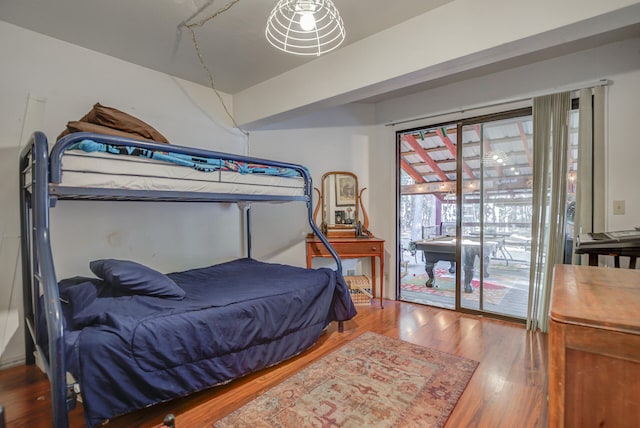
(328, 228)
(326, 182)
(359, 227)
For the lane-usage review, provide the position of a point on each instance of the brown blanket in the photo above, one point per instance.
(111, 121)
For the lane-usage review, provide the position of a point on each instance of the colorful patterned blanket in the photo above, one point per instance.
(196, 162)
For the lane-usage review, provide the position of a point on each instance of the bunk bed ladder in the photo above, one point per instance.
(25, 247)
(39, 274)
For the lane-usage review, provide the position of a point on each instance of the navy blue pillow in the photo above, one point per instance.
(135, 278)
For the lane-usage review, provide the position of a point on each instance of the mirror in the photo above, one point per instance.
(341, 202)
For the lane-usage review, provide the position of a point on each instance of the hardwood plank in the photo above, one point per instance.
(509, 387)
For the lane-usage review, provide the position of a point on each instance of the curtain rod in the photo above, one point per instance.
(593, 84)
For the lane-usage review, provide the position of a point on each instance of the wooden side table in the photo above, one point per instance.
(351, 248)
(594, 347)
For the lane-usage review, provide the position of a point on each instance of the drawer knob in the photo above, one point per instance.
(374, 248)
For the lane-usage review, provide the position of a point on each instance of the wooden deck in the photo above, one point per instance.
(509, 271)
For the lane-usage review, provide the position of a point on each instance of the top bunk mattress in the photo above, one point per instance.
(102, 170)
(96, 166)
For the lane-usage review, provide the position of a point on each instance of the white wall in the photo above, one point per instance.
(623, 148)
(62, 82)
(344, 147)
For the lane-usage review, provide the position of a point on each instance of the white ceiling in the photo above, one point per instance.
(151, 32)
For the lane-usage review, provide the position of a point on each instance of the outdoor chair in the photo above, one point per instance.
(411, 249)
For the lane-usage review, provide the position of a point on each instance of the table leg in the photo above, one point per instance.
(309, 258)
(381, 276)
(485, 265)
(373, 277)
(428, 266)
(468, 276)
(468, 258)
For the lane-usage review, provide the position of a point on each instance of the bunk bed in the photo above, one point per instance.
(132, 336)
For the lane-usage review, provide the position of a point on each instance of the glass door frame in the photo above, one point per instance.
(478, 120)
(526, 111)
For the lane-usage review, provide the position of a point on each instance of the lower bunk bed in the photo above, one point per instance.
(135, 337)
(131, 336)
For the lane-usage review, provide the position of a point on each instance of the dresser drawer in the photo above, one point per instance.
(357, 248)
(348, 249)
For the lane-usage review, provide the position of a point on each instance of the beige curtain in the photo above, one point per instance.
(590, 204)
(550, 151)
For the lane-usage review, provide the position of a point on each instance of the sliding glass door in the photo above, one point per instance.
(427, 215)
(496, 208)
(465, 214)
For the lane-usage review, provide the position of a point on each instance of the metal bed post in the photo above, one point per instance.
(314, 227)
(319, 234)
(25, 247)
(41, 272)
(249, 230)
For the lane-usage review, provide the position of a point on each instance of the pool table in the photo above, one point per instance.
(444, 248)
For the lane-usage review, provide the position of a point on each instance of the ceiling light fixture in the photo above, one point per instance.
(305, 27)
(495, 158)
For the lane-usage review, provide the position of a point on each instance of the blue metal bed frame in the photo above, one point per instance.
(41, 192)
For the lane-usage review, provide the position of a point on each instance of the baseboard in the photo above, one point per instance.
(12, 363)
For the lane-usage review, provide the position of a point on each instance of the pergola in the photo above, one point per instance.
(497, 160)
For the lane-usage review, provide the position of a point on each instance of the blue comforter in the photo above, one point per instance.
(131, 351)
(196, 162)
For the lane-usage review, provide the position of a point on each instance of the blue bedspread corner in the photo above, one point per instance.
(342, 308)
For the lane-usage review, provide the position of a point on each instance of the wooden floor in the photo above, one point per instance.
(508, 389)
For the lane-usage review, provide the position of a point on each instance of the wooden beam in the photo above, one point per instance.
(525, 143)
(428, 188)
(432, 133)
(411, 140)
(494, 185)
(452, 148)
(467, 145)
(406, 166)
(437, 149)
(479, 159)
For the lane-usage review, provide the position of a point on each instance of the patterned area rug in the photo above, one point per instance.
(373, 381)
(445, 286)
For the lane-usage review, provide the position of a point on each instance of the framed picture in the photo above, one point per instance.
(345, 190)
(340, 217)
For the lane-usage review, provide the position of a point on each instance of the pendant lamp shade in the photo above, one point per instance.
(305, 27)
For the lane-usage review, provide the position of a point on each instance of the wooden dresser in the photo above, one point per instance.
(594, 347)
(351, 248)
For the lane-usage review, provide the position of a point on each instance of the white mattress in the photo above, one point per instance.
(101, 170)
